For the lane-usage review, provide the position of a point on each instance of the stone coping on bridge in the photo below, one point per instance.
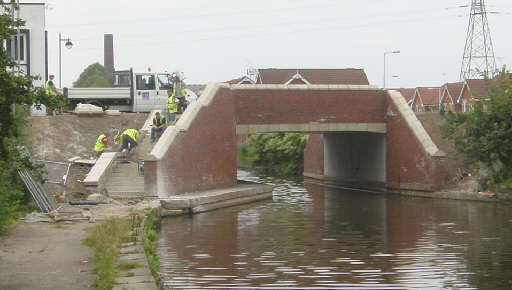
(415, 125)
(312, 127)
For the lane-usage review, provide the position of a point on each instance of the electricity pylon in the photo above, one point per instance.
(478, 60)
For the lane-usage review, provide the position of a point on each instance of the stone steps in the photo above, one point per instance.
(125, 182)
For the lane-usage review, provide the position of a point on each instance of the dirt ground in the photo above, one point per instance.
(58, 138)
(45, 256)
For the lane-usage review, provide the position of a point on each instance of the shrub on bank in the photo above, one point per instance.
(275, 153)
(483, 134)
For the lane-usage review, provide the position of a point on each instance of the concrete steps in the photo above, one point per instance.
(125, 182)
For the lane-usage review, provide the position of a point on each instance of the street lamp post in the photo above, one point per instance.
(68, 45)
(386, 53)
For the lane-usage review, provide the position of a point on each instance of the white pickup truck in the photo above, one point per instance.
(131, 92)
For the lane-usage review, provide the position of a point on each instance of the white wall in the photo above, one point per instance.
(34, 16)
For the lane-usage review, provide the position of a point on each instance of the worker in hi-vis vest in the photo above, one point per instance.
(50, 86)
(172, 107)
(129, 142)
(178, 92)
(100, 145)
(51, 89)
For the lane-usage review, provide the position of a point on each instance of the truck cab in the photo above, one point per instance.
(148, 91)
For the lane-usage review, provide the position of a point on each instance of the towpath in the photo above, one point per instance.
(45, 256)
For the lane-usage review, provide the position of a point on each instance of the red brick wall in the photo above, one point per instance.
(407, 164)
(314, 155)
(204, 157)
(304, 106)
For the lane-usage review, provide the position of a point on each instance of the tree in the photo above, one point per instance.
(93, 76)
(276, 153)
(17, 92)
(485, 137)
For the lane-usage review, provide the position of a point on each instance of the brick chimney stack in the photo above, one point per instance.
(108, 53)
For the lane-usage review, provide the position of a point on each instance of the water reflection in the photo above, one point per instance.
(313, 237)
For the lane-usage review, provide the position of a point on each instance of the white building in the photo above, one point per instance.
(33, 55)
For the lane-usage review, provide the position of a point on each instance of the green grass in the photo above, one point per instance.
(150, 238)
(105, 240)
(128, 265)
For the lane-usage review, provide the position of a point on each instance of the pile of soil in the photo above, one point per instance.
(58, 138)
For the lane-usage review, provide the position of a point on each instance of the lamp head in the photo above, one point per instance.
(68, 44)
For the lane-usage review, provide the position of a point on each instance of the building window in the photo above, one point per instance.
(18, 47)
(13, 50)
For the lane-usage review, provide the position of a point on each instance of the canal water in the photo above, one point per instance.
(312, 237)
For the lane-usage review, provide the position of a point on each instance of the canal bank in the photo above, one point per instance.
(468, 194)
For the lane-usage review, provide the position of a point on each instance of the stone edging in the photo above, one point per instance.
(133, 252)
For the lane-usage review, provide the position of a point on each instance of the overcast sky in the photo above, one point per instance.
(218, 40)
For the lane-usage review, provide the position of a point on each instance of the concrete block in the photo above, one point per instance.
(227, 194)
(132, 250)
(88, 109)
(314, 126)
(113, 112)
(136, 286)
(377, 127)
(136, 258)
(143, 271)
(175, 203)
(135, 279)
(242, 129)
(231, 202)
(100, 198)
(330, 127)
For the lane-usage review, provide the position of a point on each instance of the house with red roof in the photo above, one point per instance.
(407, 93)
(472, 90)
(450, 93)
(347, 76)
(425, 99)
(241, 81)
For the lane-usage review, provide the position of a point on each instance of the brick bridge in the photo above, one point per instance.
(360, 135)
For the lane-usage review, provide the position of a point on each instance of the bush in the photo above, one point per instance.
(16, 93)
(485, 137)
(275, 153)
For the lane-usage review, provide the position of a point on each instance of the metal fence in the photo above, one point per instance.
(55, 172)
